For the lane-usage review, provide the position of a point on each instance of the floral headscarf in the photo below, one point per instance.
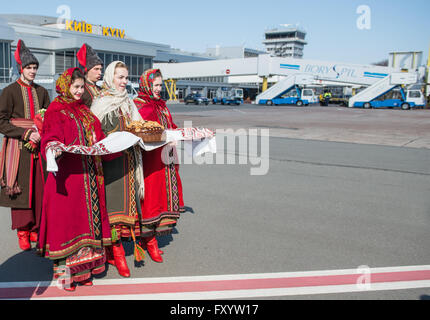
(145, 85)
(76, 107)
(63, 87)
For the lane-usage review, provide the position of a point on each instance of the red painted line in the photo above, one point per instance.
(214, 285)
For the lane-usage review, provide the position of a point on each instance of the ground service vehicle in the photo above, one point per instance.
(290, 90)
(390, 92)
(228, 96)
(295, 96)
(339, 99)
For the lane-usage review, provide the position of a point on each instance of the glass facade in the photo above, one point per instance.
(5, 62)
(283, 35)
(136, 64)
(218, 79)
(65, 60)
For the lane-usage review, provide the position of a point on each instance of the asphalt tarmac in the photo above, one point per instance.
(320, 205)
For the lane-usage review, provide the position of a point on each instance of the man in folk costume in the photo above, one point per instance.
(21, 169)
(93, 67)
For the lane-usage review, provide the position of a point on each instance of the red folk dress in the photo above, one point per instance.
(163, 200)
(74, 227)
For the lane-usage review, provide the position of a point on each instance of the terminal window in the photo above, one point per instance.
(5, 62)
(65, 60)
(136, 64)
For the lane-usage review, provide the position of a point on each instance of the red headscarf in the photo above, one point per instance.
(145, 85)
(151, 107)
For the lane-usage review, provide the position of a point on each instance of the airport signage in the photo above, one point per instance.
(82, 26)
(335, 70)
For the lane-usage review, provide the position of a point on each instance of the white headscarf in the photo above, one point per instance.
(110, 101)
(108, 104)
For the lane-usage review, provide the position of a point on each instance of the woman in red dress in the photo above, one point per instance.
(163, 200)
(74, 225)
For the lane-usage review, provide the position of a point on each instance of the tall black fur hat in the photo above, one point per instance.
(23, 56)
(88, 58)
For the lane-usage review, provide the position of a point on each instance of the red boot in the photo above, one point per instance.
(120, 262)
(71, 287)
(109, 255)
(24, 240)
(33, 236)
(143, 245)
(87, 283)
(152, 248)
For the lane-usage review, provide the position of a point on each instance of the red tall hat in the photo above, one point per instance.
(88, 58)
(23, 56)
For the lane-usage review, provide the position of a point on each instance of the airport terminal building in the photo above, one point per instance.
(55, 44)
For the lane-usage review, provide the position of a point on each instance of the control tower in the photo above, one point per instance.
(285, 41)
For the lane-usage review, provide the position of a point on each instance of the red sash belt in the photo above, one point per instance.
(9, 158)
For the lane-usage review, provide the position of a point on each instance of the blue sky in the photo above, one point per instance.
(194, 25)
